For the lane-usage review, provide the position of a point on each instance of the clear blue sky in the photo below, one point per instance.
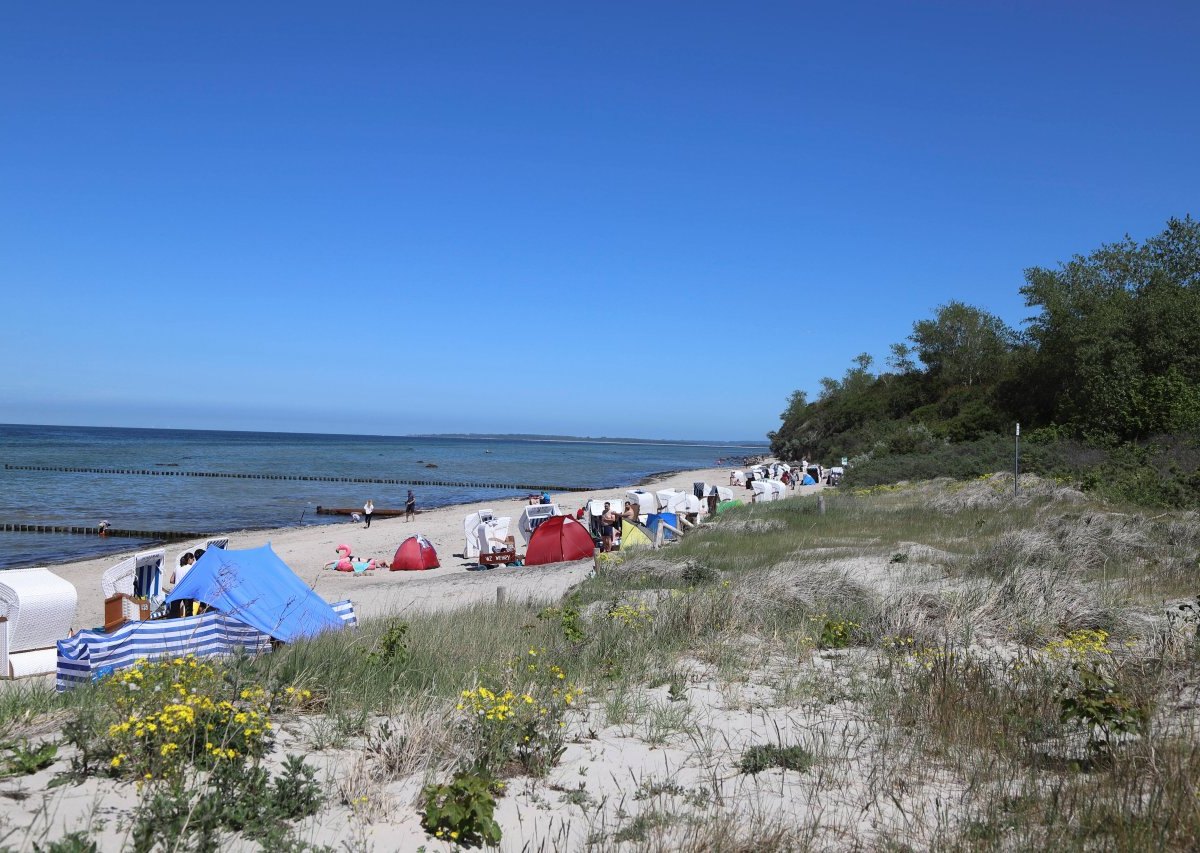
(361, 217)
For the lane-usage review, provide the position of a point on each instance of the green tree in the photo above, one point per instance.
(901, 359)
(963, 345)
(1117, 337)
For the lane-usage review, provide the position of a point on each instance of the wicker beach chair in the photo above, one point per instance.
(37, 608)
(222, 542)
(139, 575)
(119, 579)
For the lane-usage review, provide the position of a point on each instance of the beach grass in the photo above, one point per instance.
(937, 666)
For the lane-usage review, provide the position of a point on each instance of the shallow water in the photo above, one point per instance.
(134, 502)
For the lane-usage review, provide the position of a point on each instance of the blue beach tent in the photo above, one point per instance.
(256, 587)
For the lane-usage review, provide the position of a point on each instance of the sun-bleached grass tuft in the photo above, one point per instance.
(993, 491)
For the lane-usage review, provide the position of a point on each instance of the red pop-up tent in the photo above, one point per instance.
(557, 540)
(416, 553)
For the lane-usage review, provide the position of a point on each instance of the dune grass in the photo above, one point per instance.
(930, 620)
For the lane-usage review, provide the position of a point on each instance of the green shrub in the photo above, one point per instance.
(177, 816)
(72, 842)
(568, 619)
(836, 633)
(762, 757)
(392, 648)
(23, 760)
(462, 812)
(1093, 701)
(522, 721)
(696, 573)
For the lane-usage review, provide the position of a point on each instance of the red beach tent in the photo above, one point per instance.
(415, 554)
(559, 539)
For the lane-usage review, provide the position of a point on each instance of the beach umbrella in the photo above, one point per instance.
(559, 540)
(415, 554)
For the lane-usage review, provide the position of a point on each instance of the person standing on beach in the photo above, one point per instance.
(410, 506)
(608, 524)
(368, 508)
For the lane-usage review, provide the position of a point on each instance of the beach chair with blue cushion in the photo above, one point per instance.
(139, 576)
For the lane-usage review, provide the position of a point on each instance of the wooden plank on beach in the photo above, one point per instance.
(344, 510)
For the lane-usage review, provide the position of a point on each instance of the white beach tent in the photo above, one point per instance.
(534, 515)
(36, 611)
(471, 531)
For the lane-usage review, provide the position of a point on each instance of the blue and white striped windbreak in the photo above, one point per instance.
(93, 654)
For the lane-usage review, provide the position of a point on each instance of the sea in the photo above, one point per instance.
(169, 501)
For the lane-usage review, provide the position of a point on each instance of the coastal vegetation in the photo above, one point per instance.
(941, 665)
(1104, 379)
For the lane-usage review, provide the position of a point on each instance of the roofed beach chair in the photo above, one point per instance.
(37, 608)
(139, 576)
(180, 570)
(119, 579)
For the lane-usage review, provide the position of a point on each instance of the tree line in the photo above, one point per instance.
(1107, 368)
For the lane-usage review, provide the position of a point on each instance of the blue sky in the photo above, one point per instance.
(650, 219)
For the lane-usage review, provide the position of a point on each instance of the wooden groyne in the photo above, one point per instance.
(235, 475)
(111, 532)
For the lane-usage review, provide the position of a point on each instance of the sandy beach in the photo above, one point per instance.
(455, 584)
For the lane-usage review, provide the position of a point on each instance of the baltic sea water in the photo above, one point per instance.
(136, 502)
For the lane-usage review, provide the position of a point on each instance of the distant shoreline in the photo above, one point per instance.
(483, 436)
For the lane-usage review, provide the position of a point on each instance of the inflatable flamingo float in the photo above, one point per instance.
(346, 562)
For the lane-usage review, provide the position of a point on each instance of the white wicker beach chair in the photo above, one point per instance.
(119, 578)
(139, 575)
(37, 608)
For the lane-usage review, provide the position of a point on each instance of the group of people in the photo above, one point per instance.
(410, 509)
(185, 606)
(609, 519)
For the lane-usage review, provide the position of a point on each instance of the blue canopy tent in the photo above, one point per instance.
(256, 587)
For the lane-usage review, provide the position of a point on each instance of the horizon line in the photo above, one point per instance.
(486, 436)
